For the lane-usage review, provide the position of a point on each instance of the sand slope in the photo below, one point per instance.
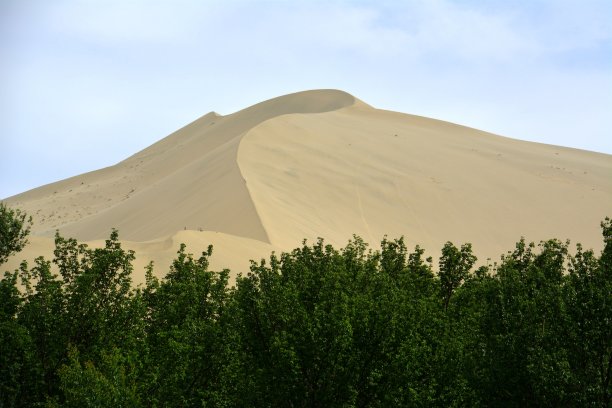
(372, 173)
(322, 163)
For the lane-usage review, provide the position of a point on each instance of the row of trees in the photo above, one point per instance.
(317, 327)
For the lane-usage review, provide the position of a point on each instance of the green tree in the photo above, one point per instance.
(188, 355)
(42, 314)
(89, 307)
(14, 230)
(296, 331)
(85, 385)
(455, 266)
(588, 336)
(18, 366)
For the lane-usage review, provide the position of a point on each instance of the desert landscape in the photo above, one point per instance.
(388, 204)
(323, 163)
(312, 250)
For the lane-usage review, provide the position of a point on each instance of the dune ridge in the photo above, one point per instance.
(323, 163)
(193, 169)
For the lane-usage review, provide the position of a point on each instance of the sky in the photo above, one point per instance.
(84, 84)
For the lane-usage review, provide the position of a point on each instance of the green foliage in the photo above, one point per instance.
(107, 385)
(18, 365)
(322, 327)
(14, 229)
(185, 332)
(318, 326)
(455, 267)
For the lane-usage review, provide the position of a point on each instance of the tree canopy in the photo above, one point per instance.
(315, 327)
(14, 230)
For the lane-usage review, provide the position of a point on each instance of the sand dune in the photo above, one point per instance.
(374, 173)
(323, 163)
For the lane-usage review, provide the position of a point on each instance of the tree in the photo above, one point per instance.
(188, 355)
(90, 386)
(455, 267)
(14, 229)
(588, 337)
(18, 365)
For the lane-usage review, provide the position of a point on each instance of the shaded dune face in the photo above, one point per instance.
(189, 180)
(324, 164)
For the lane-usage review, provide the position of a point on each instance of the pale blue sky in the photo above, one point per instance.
(85, 84)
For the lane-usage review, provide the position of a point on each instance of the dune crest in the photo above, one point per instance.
(188, 180)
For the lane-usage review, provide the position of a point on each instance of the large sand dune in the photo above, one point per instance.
(324, 164)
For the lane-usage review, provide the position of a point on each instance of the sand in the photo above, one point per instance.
(325, 164)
